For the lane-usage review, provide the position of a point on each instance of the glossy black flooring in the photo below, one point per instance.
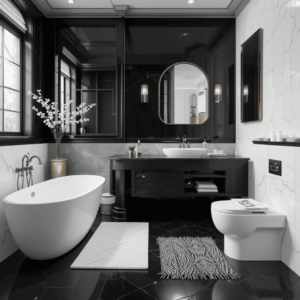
(22, 278)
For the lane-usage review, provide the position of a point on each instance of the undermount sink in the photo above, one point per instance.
(184, 152)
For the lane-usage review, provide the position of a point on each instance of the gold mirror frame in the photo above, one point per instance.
(162, 75)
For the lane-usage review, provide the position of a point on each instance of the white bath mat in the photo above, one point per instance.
(116, 246)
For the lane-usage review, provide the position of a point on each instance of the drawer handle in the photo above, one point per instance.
(143, 176)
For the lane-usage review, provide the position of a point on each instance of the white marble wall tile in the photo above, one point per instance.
(10, 159)
(288, 164)
(290, 258)
(298, 215)
(280, 21)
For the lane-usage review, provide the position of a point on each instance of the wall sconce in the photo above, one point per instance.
(218, 93)
(246, 93)
(144, 93)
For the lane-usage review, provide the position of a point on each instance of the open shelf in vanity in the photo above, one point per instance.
(159, 176)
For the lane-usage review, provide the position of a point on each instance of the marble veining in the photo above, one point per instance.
(280, 21)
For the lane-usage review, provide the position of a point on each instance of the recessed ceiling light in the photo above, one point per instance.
(72, 1)
(191, 1)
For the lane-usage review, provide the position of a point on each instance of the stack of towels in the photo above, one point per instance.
(205, 187)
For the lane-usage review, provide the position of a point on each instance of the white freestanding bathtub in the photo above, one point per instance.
(50, 218)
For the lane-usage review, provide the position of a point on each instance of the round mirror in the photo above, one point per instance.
(183, 95)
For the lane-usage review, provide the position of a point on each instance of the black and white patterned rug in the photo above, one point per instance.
(193, 258)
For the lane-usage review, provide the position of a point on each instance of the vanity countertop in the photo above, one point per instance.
(163, 157)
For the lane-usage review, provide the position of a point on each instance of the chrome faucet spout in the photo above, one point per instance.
(37, 157)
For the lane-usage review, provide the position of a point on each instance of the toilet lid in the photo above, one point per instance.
(229, 207)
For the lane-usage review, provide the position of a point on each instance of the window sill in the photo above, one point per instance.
(20, 140)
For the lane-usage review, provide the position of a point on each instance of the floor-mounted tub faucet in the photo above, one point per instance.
(27, 170)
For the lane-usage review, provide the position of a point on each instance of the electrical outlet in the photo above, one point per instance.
(275, 167)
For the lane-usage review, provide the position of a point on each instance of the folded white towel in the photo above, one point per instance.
(250, 204)
(206, 190)
(206, 185)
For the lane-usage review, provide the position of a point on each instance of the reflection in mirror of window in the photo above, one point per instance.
(10, 78)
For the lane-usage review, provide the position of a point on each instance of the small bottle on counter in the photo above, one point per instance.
(273, 137)
(204, 144)
(279, 137)
(138, 149)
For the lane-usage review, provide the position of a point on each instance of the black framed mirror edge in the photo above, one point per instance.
(260, 72)
(159, 82)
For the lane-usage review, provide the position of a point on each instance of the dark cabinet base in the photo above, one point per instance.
(163, 177)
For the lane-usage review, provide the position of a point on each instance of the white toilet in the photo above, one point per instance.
(249, 235)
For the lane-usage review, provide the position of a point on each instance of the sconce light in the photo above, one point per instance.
(246, 93)
(218, 93)
(144, 93)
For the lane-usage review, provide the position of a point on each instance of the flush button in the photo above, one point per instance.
(275, 167)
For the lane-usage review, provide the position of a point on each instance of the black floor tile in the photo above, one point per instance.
(293, 293)
(157, 231)
(272, 269)
(170, 226)
(35, 292)
(22, 278)
(26, 280)
(153, 244)
(154, 260)
(265, 287)
(222, 290)
(56, 294)
(88, 289)
(66, 279)
(193, 286)
(115, 289)
(138, 295)
(166, 290)
(142, 278)
(101, 274)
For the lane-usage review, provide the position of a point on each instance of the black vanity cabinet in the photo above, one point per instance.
(160, 176)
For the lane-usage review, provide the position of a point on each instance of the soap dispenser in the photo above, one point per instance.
(204, 144)
(138, 149)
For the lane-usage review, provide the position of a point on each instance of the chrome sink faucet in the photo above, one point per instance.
(183, 142)
(27, 169)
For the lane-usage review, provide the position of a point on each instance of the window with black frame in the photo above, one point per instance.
(10, 80)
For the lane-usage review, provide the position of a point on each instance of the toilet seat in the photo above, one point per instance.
(229, 207)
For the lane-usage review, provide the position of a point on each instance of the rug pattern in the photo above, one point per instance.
(193, 258)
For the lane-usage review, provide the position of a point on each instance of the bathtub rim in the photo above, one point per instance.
(4, 200)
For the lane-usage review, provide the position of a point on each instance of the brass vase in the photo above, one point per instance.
(58, 167)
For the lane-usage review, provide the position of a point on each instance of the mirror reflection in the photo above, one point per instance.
(183, 95)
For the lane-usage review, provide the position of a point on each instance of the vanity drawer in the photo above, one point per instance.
(157, 183)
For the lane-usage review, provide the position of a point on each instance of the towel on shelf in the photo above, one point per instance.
(199, 190)
(205, 185)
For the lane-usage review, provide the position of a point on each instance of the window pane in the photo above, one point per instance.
(1, 120)
(88, 80)
(0, 41)
(11, 100)
(11, 121)
(88, 98)
(11, 75)
(11, 47)
(106, 116)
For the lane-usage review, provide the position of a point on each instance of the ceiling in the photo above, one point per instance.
(140, 8)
